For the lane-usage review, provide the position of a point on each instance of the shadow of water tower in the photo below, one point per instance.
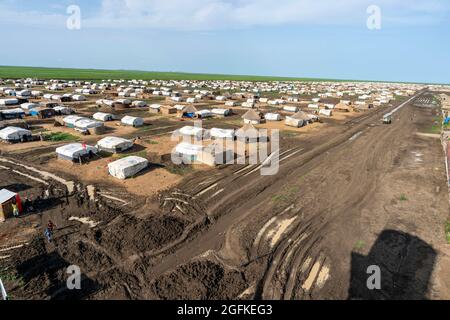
(405, 263)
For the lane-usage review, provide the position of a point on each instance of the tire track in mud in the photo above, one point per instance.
(214, 235)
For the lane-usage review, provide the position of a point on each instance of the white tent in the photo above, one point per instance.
(85, 124)
(191, 131)
(63, 110)
(326, 112)
(272, 117)
(221, 112)
(127, 167)
(12, 134)
(188, 152)
(132, 121)
(78, 97)
(139, 104)
(28, 106)
(114, 144)
(219, 133)
(102, 116)
(204, 113)
(155, 106)
(19, 111)
(74, 150)
(71, 120)
(290, 108)
(9, 101)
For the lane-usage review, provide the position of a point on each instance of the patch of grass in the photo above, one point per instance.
(437, 126)
(142, 154)
(7, 275)
(403, 198)
(289, 134)
(39, 130)
(279, 198)
(60, 136)
(151, 142)
(287, 195)
(180, 169)
(16, 72)
(359, 244)
(447, 231)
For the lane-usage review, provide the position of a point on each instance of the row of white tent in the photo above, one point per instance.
(121, 169)
(73, 121)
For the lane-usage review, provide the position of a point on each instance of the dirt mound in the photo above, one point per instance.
(133, 234)
(199, 280)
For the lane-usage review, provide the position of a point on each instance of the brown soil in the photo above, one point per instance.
(353, 194)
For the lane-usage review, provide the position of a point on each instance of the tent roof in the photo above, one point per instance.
(251, 115)
(189, 109)
(5, 195)
(300, 115)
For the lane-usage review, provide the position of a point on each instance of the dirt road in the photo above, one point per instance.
(299, 234)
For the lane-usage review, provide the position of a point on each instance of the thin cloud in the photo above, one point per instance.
(207, 15)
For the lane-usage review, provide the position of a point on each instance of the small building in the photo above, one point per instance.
(114, 144)
(195, 153)
(127, 167)
(154, 108)
(343, 107)
(249, 134)
(7, 198)
(298, 119)
(252, 117)
(166, 110)
(132, 121)
(188, 112)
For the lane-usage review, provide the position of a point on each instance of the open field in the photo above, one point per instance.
(98, 74)
(350, 192)
(17, 72)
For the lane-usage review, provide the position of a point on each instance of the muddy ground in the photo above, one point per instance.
(354, 194)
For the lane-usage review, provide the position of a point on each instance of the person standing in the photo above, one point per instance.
(15, 209)
(48, 234)
(51, 226)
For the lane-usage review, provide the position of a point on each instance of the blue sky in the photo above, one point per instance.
(300, 38)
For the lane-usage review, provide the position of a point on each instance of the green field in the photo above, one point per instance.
(10, 72)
